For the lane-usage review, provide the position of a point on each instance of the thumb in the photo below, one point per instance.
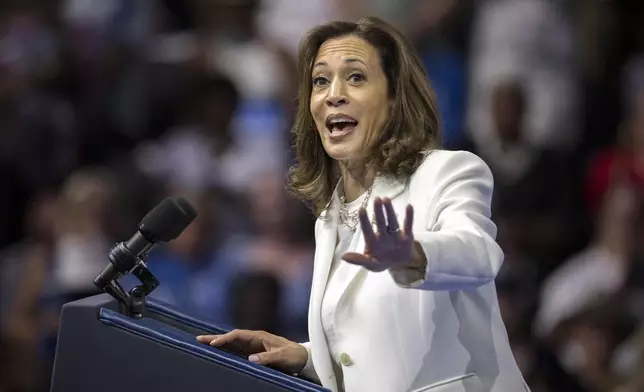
(266, 358)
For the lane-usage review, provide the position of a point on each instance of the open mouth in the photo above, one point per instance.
(340, 124)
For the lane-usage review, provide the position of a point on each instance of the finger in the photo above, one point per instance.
(392, 221)
(224, 339)
(207, 338)
(367, 228)
(232, 336)
(359, 259)
(380, 216)
(267, 357)
(409, 220)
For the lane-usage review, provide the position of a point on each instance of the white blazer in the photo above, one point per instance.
(443, 333)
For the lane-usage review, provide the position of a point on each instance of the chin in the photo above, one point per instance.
(341, 153)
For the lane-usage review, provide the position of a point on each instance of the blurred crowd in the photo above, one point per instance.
(109, 106)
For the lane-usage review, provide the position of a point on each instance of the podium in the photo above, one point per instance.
(100, 349)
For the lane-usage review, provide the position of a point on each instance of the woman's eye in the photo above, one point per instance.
(357, 78)
(319, 81)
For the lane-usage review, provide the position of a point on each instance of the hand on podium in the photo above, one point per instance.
(262, 347)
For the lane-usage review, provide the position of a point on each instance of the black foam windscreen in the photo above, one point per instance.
(167, 220)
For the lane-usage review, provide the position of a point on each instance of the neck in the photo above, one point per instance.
(355, 180)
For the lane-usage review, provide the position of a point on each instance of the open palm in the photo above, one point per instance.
(389, 246)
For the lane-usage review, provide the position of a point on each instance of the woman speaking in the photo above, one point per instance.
(403, 295)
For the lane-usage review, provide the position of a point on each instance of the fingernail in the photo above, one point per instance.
(254, 358)
(212, 343)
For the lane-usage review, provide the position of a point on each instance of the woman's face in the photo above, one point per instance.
(349, 97)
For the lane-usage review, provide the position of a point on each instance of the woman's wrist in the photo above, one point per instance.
(302, 358)
(418, 260)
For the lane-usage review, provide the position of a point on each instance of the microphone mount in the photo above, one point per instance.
(163, 224)
(133, 303)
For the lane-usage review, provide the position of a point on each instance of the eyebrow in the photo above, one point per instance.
(346, 61)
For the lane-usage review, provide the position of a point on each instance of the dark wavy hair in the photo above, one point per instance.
(411, 131)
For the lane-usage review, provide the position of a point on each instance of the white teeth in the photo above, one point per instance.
(340, 119)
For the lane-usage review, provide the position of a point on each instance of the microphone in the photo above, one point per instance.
(163, 223)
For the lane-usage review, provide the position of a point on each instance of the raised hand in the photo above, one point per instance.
(389, 246)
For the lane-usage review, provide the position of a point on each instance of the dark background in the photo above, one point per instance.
(108, 106)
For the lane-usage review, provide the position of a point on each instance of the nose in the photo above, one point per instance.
(337, 95)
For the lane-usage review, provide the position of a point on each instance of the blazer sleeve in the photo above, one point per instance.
(309, 371)
(459, 242)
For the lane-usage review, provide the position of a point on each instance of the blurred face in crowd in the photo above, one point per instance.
(349, 97)
(619, 213)
(85, 202)
(507, 112)
(42, 216)
(217, 113)
(586, 347)
(232, 20)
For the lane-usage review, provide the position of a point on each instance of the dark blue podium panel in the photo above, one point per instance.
(100, 350)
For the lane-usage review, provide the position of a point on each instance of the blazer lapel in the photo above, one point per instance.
(325, 242)
(324, 248)
(383, 187)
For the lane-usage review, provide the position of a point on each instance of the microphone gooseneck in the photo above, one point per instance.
(163, 223)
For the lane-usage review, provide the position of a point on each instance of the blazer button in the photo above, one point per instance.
(345, 359)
